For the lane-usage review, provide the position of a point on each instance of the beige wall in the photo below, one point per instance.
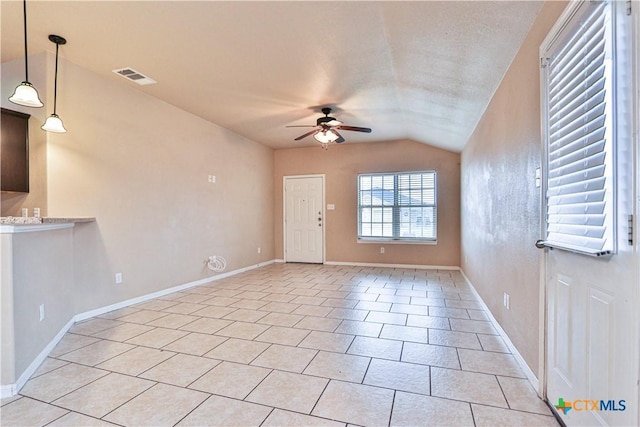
(500, 214)
(341, 164)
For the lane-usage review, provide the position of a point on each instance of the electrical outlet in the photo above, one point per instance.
(41, 312)
(118, 278)
(381, 249)
(212, 179)
(505, 300)
(259, 250)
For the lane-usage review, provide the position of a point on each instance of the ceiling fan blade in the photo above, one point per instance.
(305, 135)
(301, 126)
(340, 138)
(354, 128)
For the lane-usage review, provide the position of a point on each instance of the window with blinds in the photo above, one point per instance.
(579, 116)
(397, 206)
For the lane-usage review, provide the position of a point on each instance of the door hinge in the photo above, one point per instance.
(630, 230)
(628, 7)
(544, 62)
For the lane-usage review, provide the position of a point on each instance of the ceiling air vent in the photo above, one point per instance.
(133, 75)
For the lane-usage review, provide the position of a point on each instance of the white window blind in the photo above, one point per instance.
(398, 206)
(578, 80)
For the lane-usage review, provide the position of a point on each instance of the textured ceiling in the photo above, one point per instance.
(418, 70)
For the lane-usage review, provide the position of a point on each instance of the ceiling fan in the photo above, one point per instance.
(326, 129)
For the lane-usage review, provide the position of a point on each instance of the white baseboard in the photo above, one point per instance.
(416, 266)
(9, 390)
(516, 354)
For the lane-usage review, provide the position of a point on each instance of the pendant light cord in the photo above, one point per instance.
(55, 82)
(26, 61)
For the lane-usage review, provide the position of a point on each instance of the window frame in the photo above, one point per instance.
(396, 207)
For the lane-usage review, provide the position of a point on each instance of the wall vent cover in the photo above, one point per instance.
(135, 76)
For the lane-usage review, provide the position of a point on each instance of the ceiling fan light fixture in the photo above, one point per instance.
(25, 94)
(326, 136)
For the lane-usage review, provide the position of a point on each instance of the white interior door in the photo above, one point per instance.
(304, 219)
(592, 302)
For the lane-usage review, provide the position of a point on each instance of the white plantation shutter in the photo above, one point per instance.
(579, 140)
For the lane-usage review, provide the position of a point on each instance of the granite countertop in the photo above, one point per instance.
(18, 220)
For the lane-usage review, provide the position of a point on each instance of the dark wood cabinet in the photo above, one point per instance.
(15, 151)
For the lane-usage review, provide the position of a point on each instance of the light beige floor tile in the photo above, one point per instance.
(394, 299)
(161, 405)
(353, 327)
(434, 355)
(243, 330)
(206, 325)
(376, 347)
(398, 376)
(223, 301)
(405, 333)
(412, 410)
(245, 315)
(389, 318)
(285, 336)
(452, 303)
(173, 321)
(338, 366)
(238, 350)
(289, 391)
(135, 361)
(123, 332)
(54, 384)
(195, 343)
(96, 353)
(156, 304)
(327, 341)
(219, 411)
(493, 343)
(249, 304)
(490, 417)
(231, 380)
(223, 292)
(373, 306)
(181, 370)
(312, 310)
(279, 418)
(412, 293)
(454, 339)
(421, 310)
(278, 297)
(361, 296)
(184, 308)
(348, 314)
(280, 307)
(332, 294)
(466, 386)
(6, 400)
(521, 396)
(73, 419)
(490, 363)
(475, 326)
(48, 365)
(431, 302)
(428, 322)
(92, 326)
(281, 319)
(478, 315)
(285, 358)
(157, 338)
(193, 298)
(308, 300)
(143, 316)
(104, 395)
(318, 323)
(341, 303)
(304, 292)
(214, 311)
(354, 403)
(29, 412)
(252, 295)
(458, 313)
(121, 312)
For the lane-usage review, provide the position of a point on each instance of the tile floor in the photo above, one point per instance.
(287, 345)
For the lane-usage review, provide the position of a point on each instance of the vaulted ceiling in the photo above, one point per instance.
(422, 70)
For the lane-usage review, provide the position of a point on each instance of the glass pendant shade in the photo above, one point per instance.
(54, 124)
(326, 136)
(27, 95)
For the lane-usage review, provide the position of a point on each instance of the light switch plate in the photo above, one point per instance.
(331, 207)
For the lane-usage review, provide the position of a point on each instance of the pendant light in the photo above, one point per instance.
(54, 123)
(25, 94)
